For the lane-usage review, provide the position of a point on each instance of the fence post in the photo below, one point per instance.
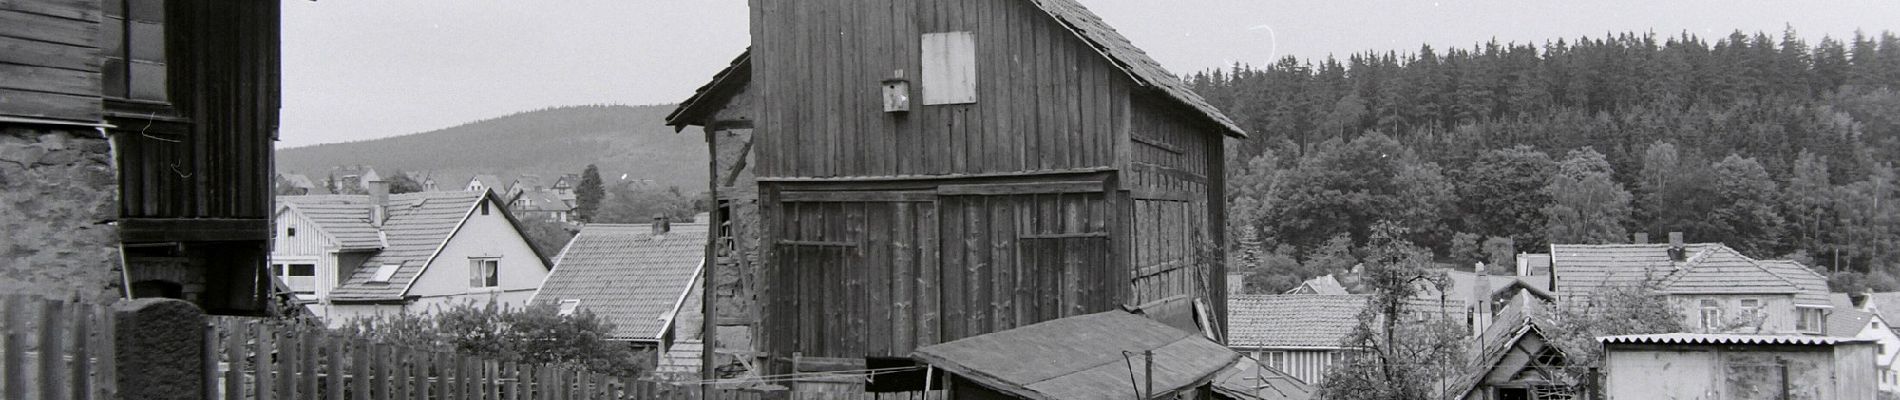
(160, 349)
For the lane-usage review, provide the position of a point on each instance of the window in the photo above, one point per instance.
(1810, 320)
(1751, 308)
(949, 68)
(569, 305)
(484, 207)
(384, 272)
(133, 42)
(1711, 314)
(301, 278)
(482, 272)
(291, 231)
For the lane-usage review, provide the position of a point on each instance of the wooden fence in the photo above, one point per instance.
(58, 350)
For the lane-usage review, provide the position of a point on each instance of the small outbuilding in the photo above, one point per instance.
(1718, 366)
(1091, 356)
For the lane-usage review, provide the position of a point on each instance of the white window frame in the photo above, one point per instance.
(1711, 313)
(569, 306)
(280, 268)
(493, 274)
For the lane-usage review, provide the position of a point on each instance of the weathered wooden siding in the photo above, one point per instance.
(882, 272)
(49, 63)
(1044, 101)
(1173, 175)
(209, 157)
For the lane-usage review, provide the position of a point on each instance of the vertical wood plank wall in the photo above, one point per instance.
(1174, 177)
(48, 69)
(1045, 100)
(213, 158)
(881, 278)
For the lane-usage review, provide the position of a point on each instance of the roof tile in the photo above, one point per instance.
(628, 276)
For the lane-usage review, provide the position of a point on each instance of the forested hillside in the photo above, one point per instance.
(1775, 145)
(629, 140)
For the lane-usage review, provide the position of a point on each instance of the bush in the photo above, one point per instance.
(536, 334)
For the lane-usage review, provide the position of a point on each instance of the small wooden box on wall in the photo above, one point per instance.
(897, 93)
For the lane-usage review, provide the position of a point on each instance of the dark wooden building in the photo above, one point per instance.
(900, 173)
(186, 94)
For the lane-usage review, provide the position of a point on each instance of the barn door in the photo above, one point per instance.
(848, 264)
(1016, 259)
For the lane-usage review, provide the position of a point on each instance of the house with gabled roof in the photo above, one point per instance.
(481, 182)
(352, 256)
(1300, 334)
(541, 204)
(1324, 284)
(637, 277)
(1718, 288)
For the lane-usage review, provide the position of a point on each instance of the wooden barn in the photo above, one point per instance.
(186, 93)
(899, 173)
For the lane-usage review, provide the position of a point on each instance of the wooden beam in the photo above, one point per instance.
(1146, 193)
(139, 230)
(1021, 188)
(1169, 171)
(1157, 143)
(856, 196)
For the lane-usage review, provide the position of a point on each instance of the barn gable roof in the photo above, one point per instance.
(1087, 26)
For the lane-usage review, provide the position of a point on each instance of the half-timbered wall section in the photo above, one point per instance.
(1045, 101)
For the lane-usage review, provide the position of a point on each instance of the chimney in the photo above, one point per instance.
(1523, 264)
(661, 224)
(378, 202)
(1642, 238)
(1676, 251)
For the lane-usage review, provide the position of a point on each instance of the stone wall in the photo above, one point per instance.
(58, 198)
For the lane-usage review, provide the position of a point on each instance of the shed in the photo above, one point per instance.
(910, 172)
(1723, 366)
(1092, 356)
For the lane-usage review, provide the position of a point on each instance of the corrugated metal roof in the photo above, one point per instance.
(1080, 357)
(1069, 13)
(627, 276)
(1292, 320)
(1709, 338)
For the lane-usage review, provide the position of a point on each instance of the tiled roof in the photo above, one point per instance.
(1080, 357)
(1710, 338)
(1847, 322)
(627, 276)
(1885, 303)
(541, 200)
(1069, 13)
(1292, 320)
(1320, 285)
(418, 224)
(1132, 59)
(342, 217)
(1813, 287)
(1580, 270)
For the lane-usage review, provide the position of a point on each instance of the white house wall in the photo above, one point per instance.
(310, 244)
(445, 281)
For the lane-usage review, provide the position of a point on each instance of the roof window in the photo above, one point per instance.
(385, 272)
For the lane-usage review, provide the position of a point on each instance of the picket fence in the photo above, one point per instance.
(60, 350)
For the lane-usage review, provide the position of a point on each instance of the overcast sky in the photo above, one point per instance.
(364, 69)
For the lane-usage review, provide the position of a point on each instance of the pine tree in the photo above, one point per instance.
(588, 194)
